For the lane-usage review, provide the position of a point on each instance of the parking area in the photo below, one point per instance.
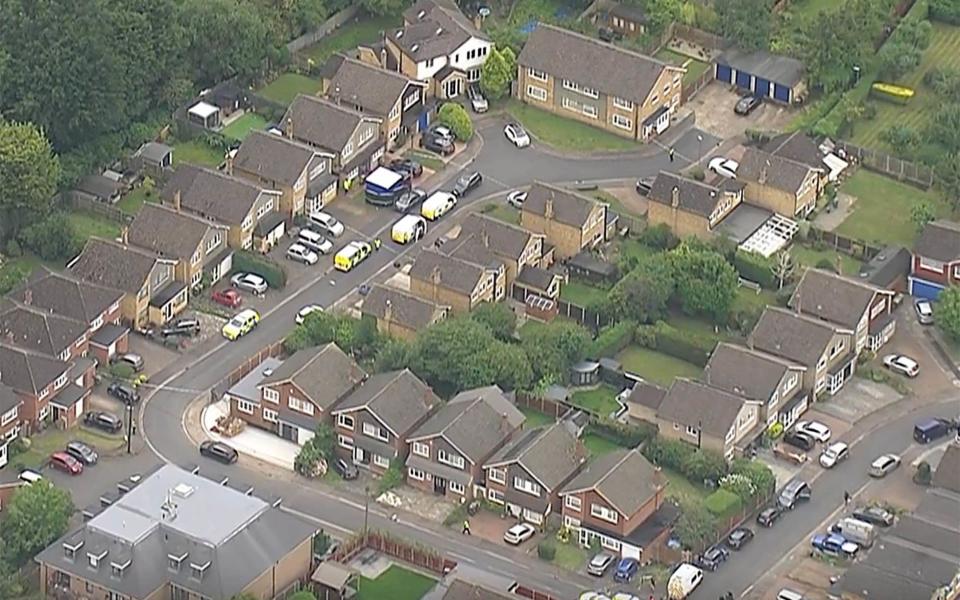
(714, 108)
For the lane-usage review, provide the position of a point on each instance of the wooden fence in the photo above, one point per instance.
(852, 246)
(101, 209)
(385, 543)
(326, 28)
(220, 388)
(549, 407)
(699, 37)
(689, 90)
(921, 176)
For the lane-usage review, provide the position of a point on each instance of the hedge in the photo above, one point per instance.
(675, 342)
(945, 11)
(612, 339)
(667, 453)
(754, 267)
(623, 434)
(722, 503)
(248, 262)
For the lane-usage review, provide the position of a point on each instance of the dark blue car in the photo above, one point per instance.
(626, 569)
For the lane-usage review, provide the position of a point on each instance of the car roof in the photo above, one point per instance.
(247, 312)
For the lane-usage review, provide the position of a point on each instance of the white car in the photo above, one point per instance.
(519, 533)
(901, 364)
(516, 198)
(724, 167)
(305, 311)
(516, 134)
(301, 253)
(815, 429)
(924, 312)
(477, 101)
(250, 282)
(327, 223)
(833, 454)
(884, 465)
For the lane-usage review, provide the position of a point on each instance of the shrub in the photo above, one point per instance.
(546, 550)
(612, 339)
(758, 473)
(826, 264)
(54, 238)
(623, 434)
(703, 465)
(739, 484)
(13, 249)
(722, 503)
(249, 262)
(667, 453)
(456, 118)
(945, 11)
(682, 344)
(696, 525)
(11, 275)
(646, 336)
(698, 174)
(391, 478)
(923, 475)
(121, 371)
(754, 267)
(659, 236)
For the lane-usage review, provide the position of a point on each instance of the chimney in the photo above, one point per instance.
(706, 374)
(288, 128)
(485, 238)
(177, 196)
(675, 197)
(435, 275)
(548, 209)
(762, 179)
(28, 297)
(125, 235)
(388, 311)
(228, 162)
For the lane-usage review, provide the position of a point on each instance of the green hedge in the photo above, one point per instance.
(722, 503)
(675, 342)
(945, 11)
(754, 267)
(249, 262)
(612, 339)
(623, 434)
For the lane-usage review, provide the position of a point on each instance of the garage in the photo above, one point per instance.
(761, 87)
(767, 75)
(744, 80)
(921, 288)
(724, 73)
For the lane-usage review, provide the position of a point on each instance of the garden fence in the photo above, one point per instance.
(689, 90)
(551, 408)
(326, 28)
(919, 175)
(385, 543)
(101, 209)
(220, 388)
(584, 316)
(852, 246)
(699, 37)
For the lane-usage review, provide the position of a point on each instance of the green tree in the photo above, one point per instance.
(53, 238)
(921, 213)
(696, 526)
(749, 22)
(36, 516)
(760, 474)
(703, 465)
(392, 354)
(948, 311)
(11, 275)
(896, 59)
(498, 317)
(225, 38)
(661, 13)
(28, 176)
(642, 295)
(384, 7)
(705, 282)
(948, 178)
(455, 117)
(510, 58)
(740, 485)
(945, 127)
(905, 139)
(832, 42)
(495, 75)
(552, 348)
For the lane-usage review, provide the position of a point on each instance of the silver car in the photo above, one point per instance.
(884, 465)
(924, 312)
(250, 282)
(599, 564)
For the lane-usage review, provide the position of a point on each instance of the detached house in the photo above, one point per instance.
(303, 175)
(783, 185)
(450, 281)
(569, 221)
(597, 83)
(400, 314)
(936, 259)
(448, 451)
(43, 389)
(526, 475)
(864, 309)
(486, 240)
(689, 207)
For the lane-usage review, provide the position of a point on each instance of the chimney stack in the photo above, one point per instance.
(177, 196)
(28, 297)
(125, 235)
(548, 209)
(288, 128)
(388, 311)
(675, 197)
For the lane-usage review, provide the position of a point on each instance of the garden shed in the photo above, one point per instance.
(767, 75)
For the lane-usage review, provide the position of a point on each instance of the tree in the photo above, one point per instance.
(896, 59)
(392, 354)
(509, 57)
(696, 526)
(832, 42)
(705, 282)
(945, 127)
(496, 75)
(384, 7)
(750, 22)
(53, 238)
(948, 311)
(498, 317)
(921, 213)
(783, 268)
(948, 178)
(703, 465)
(36, 516)
(642, 295)
(760, 474)
(28, 176)
(903, 138)
(739, 485)
(11, 275)
(552, 348)
(661, 13)
(318, 448)
(455, 117)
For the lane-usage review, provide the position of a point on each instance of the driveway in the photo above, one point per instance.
(714, 104)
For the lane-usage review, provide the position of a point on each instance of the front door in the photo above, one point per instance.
(288, 432)
(439, 486)
(453, 88)
(359, 456)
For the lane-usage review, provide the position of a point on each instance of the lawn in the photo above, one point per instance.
(571, 556)
(567, 134)
(242, 127)
(429, 161)
(364, 30)
(88, 225)
(695, 68)
(681, 488)
(196, 152)
(535, 418)
(655, 366)
(285, 88)
(502, 212)
(881, 214)
(598, 446)
(809, 8)
(601, 401)
(581, 294)
(134, 199)
(396, 583)
(748, 299)
(632, 249)
(45, 444)
(808, 256)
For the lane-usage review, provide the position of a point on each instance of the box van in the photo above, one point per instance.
(856, 530)
(930, 430)
(788, 594)
(314, 241)
(409, 228)
(683, 581)
(384, 186)
(437, 205)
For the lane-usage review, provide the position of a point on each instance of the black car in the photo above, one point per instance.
(644, 185)
(346, 469)
(466, 183)
(768, 516)
(713, 557)
(123, 392)
(410, 199)
(436, 143)
(747, 104)
(406, 165)
(218, 451)
(103, 420)
(82, 452)
(739, 537)
(875, 515)
(798, 439)
(188, 327)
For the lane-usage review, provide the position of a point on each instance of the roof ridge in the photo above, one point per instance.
(330, 104)
(848, 280)
(379, 69)
(184, 214)
(462, 413)
(763, 355)
(806, 318)
(602, 44)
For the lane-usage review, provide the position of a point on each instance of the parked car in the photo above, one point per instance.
(300, 253)
(834, 454)
(626, 569)
(250, 282)
(924, 312)
(219, 451)
(599, 564)
(123, 392)
(516, 198)
(64, 462)
(814, 429)
(884, 465)
(768, 516)
(799, 440)
(517, 135)
(875, 515)
(326, 223)
(314, 240)
(644, 185)
(834, 545)
(739, 537)
(930, 430)
(82, 452)
(684, 580)
(747, 105)
(901, 364)
(346, 469)
(103, 420)
(228, 297)
(305, 311)
(131, 359)
(406, 165)
(410, 199)
(442, 131)
(518, 534)
(241, 324)
(435, 143)
(793, 493)
(29, 476)
(466, 183)
(713, 557)
(478, 103)
(788, 594)
(352, 255)
(724, 167)
(608, 34)
(187, 327)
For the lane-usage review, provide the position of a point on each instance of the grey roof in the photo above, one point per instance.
(212, 194)
(474, 421)
(884, 269)
(567, 207)
(374, 89)
(924, 568)
(433, 31)
(28, 372)
(916, 529)
(238, 537)
(167, 232)
(453, 273)
(99, 186)
(69, 396)
(549, 454)
(939, 240)
(863, 581)
(108, 334)
(462, 590)
(503, 239)
(324, 374)
(37, 330)
(772, 67)
(607, 68)
(535, 277)
(796, 146)
(8, 399)
(624, 478)
(65, 295)
(248, 386)
(743, 221)
(692, 195)
(273, 157)
(746, 372)
(153, 151)
(321, 123)
(631, 13)
(647, 394)
(115, 265)
(332, 574)
(405, 309)
(695, 404)
(833, 297)
(940, 507)
(791, 336)
(769, 169)
(422, 9)
(947, 475)
(399, 399)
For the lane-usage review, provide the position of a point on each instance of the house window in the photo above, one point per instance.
(525, 485)
(836, 349)
(928, 264)
(495, 496)
(602, 512)
(395, 111)
(537, 93)
(318, 170)
(345, 421)
(381, 461)
(497, 475)
(730, 434)
(347, 150)
(64, 355)
(270, 395)
(609, 543)
(569, 104)
(245, 406)
(97, 323)
(691, 430)
(590, 111)
(196, 279)
(371, 430)
(416, 474)
(621, 122)
(44, 412)
(345, 441)
(822, 363)
(265, 208)
(622, 104)
(411, 99)
(270, 415)
(576, 87)
(9, 416)
(572, 502)
(80, 342)
(571, 522)
(60, 382)
(535, 74)
(421, 449)
(790, 383)
(300, 405)
(456, 488)
(450, 459)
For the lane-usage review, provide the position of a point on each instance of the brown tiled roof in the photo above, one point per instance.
(776, 171)
(374, 89)
(461, 590)
(504, 239)
(549, 454)
(796, 146)
(947, 475)
(833, 297)
(939, 240)
(65, 295)
(167, 232)
(8, 399)
(746, 372)
(568, 207)
(405, 309)
(789, 335)
(321, 123)
(455, 274)
(693, 196)
(647, 394)
(398, 398)
(433, 30)
(28, 372)
(37, 330)
(325, 374)
(698, 405)
(112, 264)
(212, 194)
(624, 478)
(273, 157)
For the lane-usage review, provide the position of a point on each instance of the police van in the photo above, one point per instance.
(408, 229)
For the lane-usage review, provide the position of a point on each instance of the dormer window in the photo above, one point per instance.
(175, 560)
(94, 558)
(70, 548)
(117, 568)
(197, 570)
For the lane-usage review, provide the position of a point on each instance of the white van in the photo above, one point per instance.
(855, 530)
(408, 229)
(683, 581)
(437, 205)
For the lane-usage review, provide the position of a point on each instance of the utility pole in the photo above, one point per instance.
(129, 426)
(366, 509)
(699, 433)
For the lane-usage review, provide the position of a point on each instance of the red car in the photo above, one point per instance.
(66, 463)
(229, 297)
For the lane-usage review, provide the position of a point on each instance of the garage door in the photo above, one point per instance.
(724, 73)
(762, 88)
(924, 289)
(743, 80)
(781, 92)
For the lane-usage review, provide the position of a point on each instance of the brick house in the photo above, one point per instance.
(38, 381)
(612, 499)
(303, 175)
(526, 475)
(644, 400)
(783, 185)
(400, 314)
(448, 451)
(568, 221)
(486, 241)
(199, 246)
(373, 422)
(689, 207)
(799, 147)
(936, 259)
(10, 404)
(848, 303)
(460, 284)
(597, 83)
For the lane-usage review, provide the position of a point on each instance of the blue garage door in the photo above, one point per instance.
(424, 121)
(724, 73)
(924, 289)
(781, 92)
(743, 80)
(762, 88)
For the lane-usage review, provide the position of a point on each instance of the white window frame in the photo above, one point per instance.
(928, 264)
(537, 93)
(271, 395)
(381, 461)
(370, 430)
(495, 496)
(497, 475)
(416, 474)
(691, 430)
(395, 111)
(9, 416)
(456, 488)
(60, 382)
(245, 406)
(573, 86)
(345, 441)
(602, 512)
(590, 110)
(452, 460)
(411, 99)
(347, 150)
(270, 416)
(837, 349)
(421, 449)
(527, 486)
(536, 75)
(346, 421)
(573, 502)
(97, 323)
(622, 104)
(621, 121)
(301, 406)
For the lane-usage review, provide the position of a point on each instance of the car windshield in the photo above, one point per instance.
(236, 322)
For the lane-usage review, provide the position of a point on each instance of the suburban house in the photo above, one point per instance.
(709, 417)
(392, 97)
(597, 83)
(864, 309)
(198, 245)
(486, 240)
(615, 499)
(448, 451)
(526, 475)
(465, 590)
(10, 404)
(303, 175)
(351, 138)
(783, 185)
(151, 293)
(826, 350)
(643, 401)
(767, 75)
(774, 382)
(95, 305)
(568, 221)
(44, 388)
(889, 269)
(249, 211)
(450, 281)
(690, 207)
(36, 330)
(626, 20)
(936, 259)
(373, 422)
(183, 536)
(298, 395)
(400, 314)
(798, 147)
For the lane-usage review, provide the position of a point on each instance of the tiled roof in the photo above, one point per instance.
(698, 405)
(746, 372)
(624, 478)
(325, 374)
(111, 264)
(212, 194)
(398, 398)
(65, 295)
(320, 122)
(549, 454)
(769, 169)
(833, 297)
(167, 232)
(273, 157)
(789, 335)
(692, 195)
(452, 273)
(565, 206)
(374, 89)
(939, 240)
(28, 372)
(37, 330)
(405, 309)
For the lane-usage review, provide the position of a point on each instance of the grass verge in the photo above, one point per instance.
(52, 440)
(655, 366)
(567, 134)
